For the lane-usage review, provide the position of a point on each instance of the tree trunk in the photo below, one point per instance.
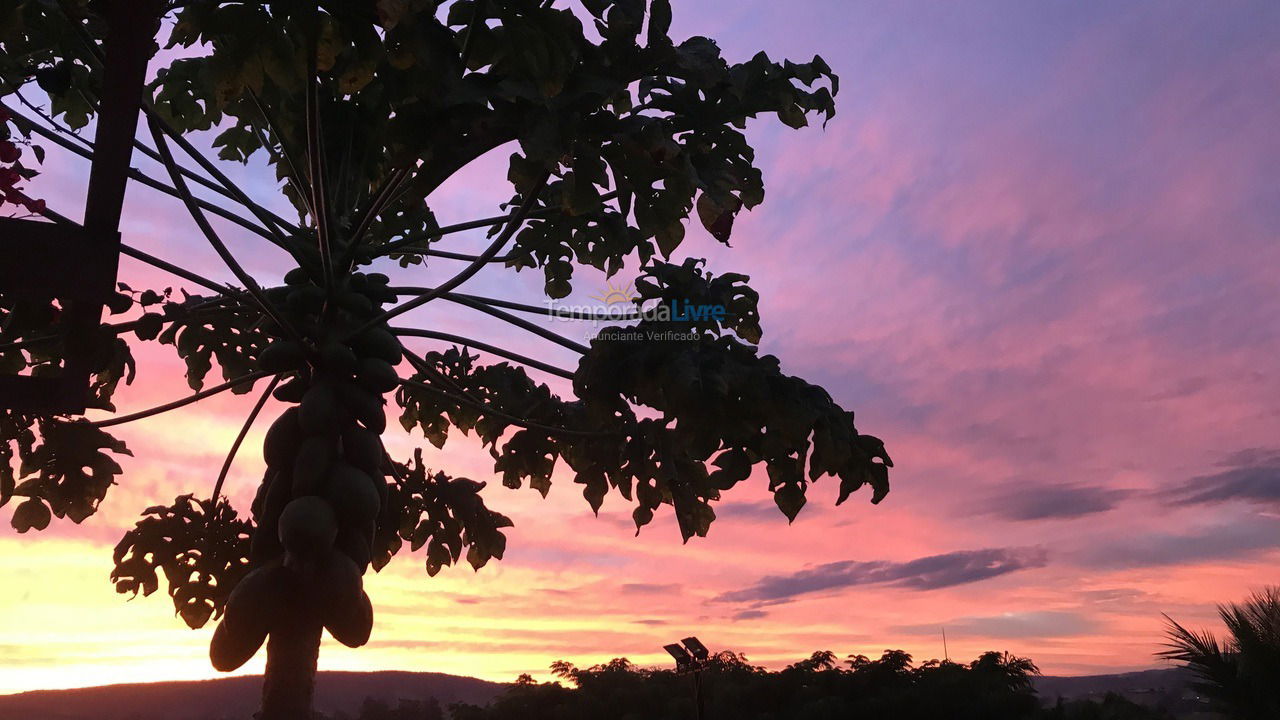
(292, 651)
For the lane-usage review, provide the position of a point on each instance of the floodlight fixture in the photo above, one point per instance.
(696, 648)
(682, 657)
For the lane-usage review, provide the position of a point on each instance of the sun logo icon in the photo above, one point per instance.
(615, 294)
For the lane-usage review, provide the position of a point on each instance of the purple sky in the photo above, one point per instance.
(1035, 251)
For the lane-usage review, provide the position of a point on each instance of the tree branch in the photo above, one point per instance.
(179, 271)
(156, 262)
(419, 364)
(294, 174)
(96, 54)
(517, 217)
(520, 323)
(315, 166)
(477, 19)
(519, 421)
(274, 219)
(453, 157)
(377, 204)
(392, 469)
(247, 280)
(524, 307)
(115, 328)
(486, 347)
(65, 130)
(135, 174)
(244, 430)
(143, 414)
(410, 239)
(226, 189)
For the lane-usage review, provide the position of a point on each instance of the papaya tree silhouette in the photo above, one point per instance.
(617, 133)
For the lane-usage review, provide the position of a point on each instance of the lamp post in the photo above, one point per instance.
(691, 657)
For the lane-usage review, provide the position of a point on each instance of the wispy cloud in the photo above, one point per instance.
(1252, 476)
(1011, 625)
(1032, 501)
(1236, 540)
(926, 573)
(1033, 252)
(650, 588)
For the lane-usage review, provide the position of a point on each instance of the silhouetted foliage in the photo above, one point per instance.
(995, 686)
(1240, 674)
(378, 709)
(1111, 707)
(618, 135)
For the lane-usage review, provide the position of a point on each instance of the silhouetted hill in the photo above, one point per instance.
(235, 698)
(1171, 680)
(1168, 689)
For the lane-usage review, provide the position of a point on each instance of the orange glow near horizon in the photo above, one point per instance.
(1035, 254)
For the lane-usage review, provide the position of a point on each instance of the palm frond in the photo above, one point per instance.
(1213, 664)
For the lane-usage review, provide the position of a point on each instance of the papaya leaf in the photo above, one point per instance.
(200, 548)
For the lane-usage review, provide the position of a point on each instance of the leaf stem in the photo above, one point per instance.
(514, 420)
(523, 307)
(486, 347)
(177, 270)
(397, 245)
(247, 280)
(235, 445)
(135, 174)
(517, 218)
(143, 414)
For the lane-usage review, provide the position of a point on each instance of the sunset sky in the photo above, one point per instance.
(1035, 251)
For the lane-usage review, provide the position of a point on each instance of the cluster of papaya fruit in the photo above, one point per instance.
(325, 490)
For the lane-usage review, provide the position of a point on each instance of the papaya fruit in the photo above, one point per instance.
(291, 391)
(279, 492)
(381, 295)
(276, 492)
(377, 375)
(257, 599)
(352, 494)
(305, 299)
(252, 607)
(228, 652)
(337, 582)
(364, 405)
(363, 449)
(282, 440)
(338, 359)
(355, 303)
(281, 355)
(378, 343)
(384, 495)
(265, 544)
(297, 276)
(316, 454)
(277, 296)
(260, 496)
(307, 526)
(375, 419)
(351, 625)
(357, 544)
(318, 412)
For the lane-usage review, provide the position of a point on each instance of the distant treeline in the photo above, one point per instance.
(995, 686)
